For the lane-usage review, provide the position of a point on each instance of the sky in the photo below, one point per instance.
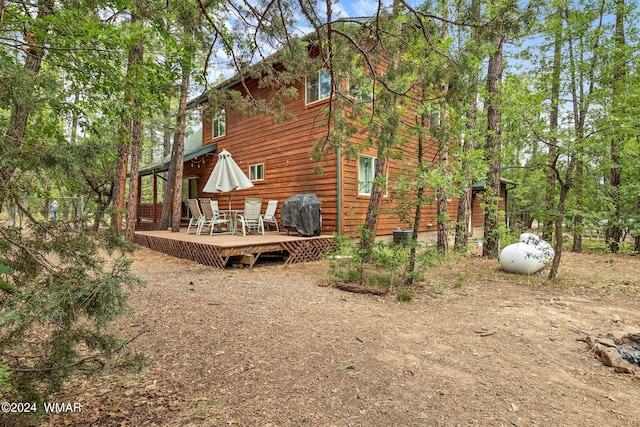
(353, 8)
(358, 8)
(340, 9)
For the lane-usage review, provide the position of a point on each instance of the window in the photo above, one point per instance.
(256, 172)
(361, 86)
(366, 173)
(434, 121)
(318, 86)
(219, 124)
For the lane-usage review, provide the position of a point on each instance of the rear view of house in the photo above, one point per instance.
(274, 151)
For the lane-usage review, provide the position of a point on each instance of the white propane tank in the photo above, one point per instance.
(527, 256)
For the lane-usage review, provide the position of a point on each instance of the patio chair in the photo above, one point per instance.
(197, 217)
(269, 216)
(250, 217)
(214, 219)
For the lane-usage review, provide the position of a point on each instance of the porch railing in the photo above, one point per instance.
(149, 212)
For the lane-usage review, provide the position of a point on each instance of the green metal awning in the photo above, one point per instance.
(193, 148)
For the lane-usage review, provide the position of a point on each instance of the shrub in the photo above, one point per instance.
(404, 295)
(388, 266)
(59, 290)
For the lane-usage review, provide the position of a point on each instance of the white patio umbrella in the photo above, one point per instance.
(226, 176)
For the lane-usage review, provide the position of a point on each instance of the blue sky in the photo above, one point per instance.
(219, 65)
(353, 8)
(356, 8)
(343, 9)
(348, 9)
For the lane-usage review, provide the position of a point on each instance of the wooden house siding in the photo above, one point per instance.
(477, 211)
(284, 147)
(403, 162)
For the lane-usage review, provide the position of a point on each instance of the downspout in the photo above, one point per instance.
(339, 179)
(506, 202)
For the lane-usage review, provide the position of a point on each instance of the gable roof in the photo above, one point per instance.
(192, 148)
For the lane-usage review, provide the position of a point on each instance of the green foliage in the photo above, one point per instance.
(496, 216)
(5, 376)
(597, 80)
(61, 292)
(388, 265)
(59, 121)
(404, 295)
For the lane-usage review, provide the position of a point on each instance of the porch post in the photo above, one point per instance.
(155, 198)
(138, 200)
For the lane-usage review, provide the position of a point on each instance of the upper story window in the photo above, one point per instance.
(318, 87)
(361, 86)
(434, 120)
(366, 174)
(256, 172)
(219, 124)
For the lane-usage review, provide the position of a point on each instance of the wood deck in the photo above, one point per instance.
(219, 249)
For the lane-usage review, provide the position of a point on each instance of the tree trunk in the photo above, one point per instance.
(613, 234)
(375, 203)
(549, 201)
(136, 57)
(463, 227)
(178, 146)
(577, 234)
(102, 201)
(565, 186)
(20, 113)
(126, 131)
(166, 150)
(493, 145)
(170, 188)
(442, 193)
(557, 246)
(442, 241)
(166, 139)
(578, 218)
(411, 267)
(614, 231)
(134, 183)
(120, 179)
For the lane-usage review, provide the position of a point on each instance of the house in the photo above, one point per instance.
(275, 154)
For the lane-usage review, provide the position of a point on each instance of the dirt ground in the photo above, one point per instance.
(275, 346)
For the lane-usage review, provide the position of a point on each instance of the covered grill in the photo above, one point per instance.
(301, 212)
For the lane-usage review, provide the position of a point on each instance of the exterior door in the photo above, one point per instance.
(189, 191)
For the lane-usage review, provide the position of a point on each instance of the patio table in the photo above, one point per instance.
(233, 214)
